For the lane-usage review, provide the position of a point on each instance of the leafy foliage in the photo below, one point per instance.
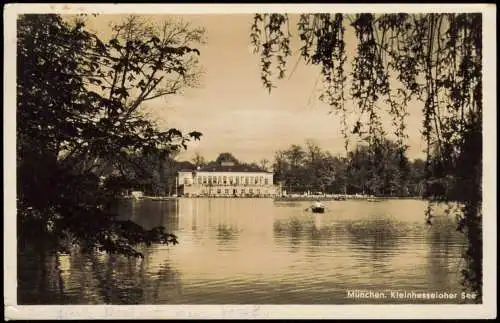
(400, 59)
(79, 125)
(301, 169)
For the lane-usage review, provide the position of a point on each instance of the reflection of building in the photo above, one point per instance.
(226, 179)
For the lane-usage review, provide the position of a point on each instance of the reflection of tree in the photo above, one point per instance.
(167, 286)
(443, 258)
(38, 277)
(94, 278)
(300, 229)
(121, 280)
(287, 204)
(115, 282)
(226, 233)
(320, 233)
(149, 214)
(380, 235)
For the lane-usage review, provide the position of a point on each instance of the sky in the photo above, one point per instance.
(236, 113)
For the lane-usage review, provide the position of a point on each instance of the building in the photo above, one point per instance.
(226, 179)
(137, 194)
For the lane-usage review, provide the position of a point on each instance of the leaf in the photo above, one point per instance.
(115, 43)
(121, 91)
(195, 134)
(174, 133)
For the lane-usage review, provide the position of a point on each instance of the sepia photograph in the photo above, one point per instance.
(257, 161)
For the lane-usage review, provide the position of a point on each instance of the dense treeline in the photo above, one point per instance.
(79, 123)
(385, 171)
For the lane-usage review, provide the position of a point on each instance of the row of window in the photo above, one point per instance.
(242, 191)
(225, 180)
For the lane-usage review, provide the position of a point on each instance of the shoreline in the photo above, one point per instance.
(344, 198)
(284, 198)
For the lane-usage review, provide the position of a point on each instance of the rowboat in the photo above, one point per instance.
(317, 207)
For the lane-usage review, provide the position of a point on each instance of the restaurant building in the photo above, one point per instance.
(226, 179)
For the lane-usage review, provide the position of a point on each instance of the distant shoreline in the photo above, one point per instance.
(159, 198)
(285, 198)
(344, 197)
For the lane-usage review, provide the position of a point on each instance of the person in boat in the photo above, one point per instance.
(317, 205)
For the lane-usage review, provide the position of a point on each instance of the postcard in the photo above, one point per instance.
(249, 161)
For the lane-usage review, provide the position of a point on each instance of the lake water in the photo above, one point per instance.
(257, 251)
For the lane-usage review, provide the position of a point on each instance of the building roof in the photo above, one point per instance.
(186, 166)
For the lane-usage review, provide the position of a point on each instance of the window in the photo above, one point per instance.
(258, 191)
(199, 179)
(256, 180)
(242, 191)
(226, 191)
(246, 180)
(236, 180)
(266, 181)
(224, 180)
(204, 179)
(218, 191)
(250, 190)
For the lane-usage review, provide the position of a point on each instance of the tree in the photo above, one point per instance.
(199, 160)
(264, 164)
(380, 170)
(295, 156)
(339, 177)
(417, 177)
(280, 168)
(400, 59)
(226, 157)
(317, 165)
(79, 120)
(140, 62)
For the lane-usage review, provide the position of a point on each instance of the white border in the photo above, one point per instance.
(485, 310)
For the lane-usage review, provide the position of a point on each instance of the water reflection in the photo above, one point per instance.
(39, 272)
(287, 204)
(227, 233)
(378, 234)
(446, 246)
(149, 213)
(303, 229)
(275, 252)
(97, 278)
